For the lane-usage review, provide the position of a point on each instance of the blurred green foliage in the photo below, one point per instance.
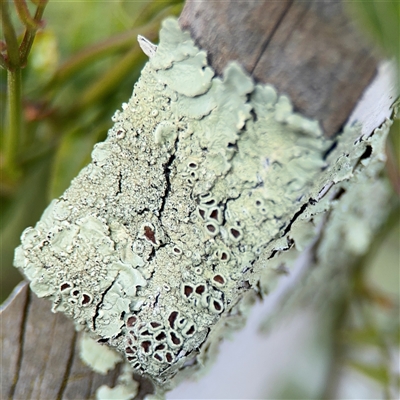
(381, 22)
(83, 64)
(370, 335)
(376, 323)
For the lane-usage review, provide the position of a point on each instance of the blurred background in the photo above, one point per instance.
(80, 67)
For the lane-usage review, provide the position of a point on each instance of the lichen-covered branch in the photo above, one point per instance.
(158, 241)
(206, 190)
(158, 253)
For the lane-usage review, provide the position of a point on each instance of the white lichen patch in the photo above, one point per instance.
(119, 392)
(154, 247)
(99, 357)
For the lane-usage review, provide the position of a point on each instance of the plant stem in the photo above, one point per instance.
(341, 311)
(24, 15)
(30, 33)
(9, 36)
(12, 131)
(3, 62)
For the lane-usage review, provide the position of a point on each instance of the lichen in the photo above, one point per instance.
(126, 388)
(156, 243)
(99, 357)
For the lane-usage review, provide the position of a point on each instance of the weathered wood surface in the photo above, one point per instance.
(307, 50)
(40, 354)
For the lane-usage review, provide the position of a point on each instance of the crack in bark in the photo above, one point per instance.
(151, 255)
(119, 190)
(51, 339)
(68, 368)
(329, 150)
(101, 302)
(167, 173)
(295, 216)
(269, 38)
(224, 206)
(21, 341)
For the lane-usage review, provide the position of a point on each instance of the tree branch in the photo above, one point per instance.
(306, 49)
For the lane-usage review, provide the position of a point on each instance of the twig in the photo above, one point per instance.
(337, 351)
(30, 33)
(12, 129)
(3, 62)
(10, 37)
(14, 119)
(24, 14)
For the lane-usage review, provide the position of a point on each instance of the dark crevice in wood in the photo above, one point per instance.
(300, 20)
(21, 341)
(308, 50)
(146, 387)
(51, 336)
(330, 149)
(114, 379)
(269, 38)
(91, 382)
(68, 367)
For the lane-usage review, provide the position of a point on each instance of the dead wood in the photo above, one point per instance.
(309, 50)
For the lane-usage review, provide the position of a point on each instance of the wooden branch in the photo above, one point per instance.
(306, 49)
(40, 355)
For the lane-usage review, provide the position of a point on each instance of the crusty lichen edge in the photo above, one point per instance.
(198, 99)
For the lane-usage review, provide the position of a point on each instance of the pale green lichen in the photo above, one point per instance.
(154, 247)
(119, 392)
(349, 214)
(100, 358)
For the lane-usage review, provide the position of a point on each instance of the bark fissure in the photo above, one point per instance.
(96, 314)
(68, 367)
(21, 341)
(268, 40)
